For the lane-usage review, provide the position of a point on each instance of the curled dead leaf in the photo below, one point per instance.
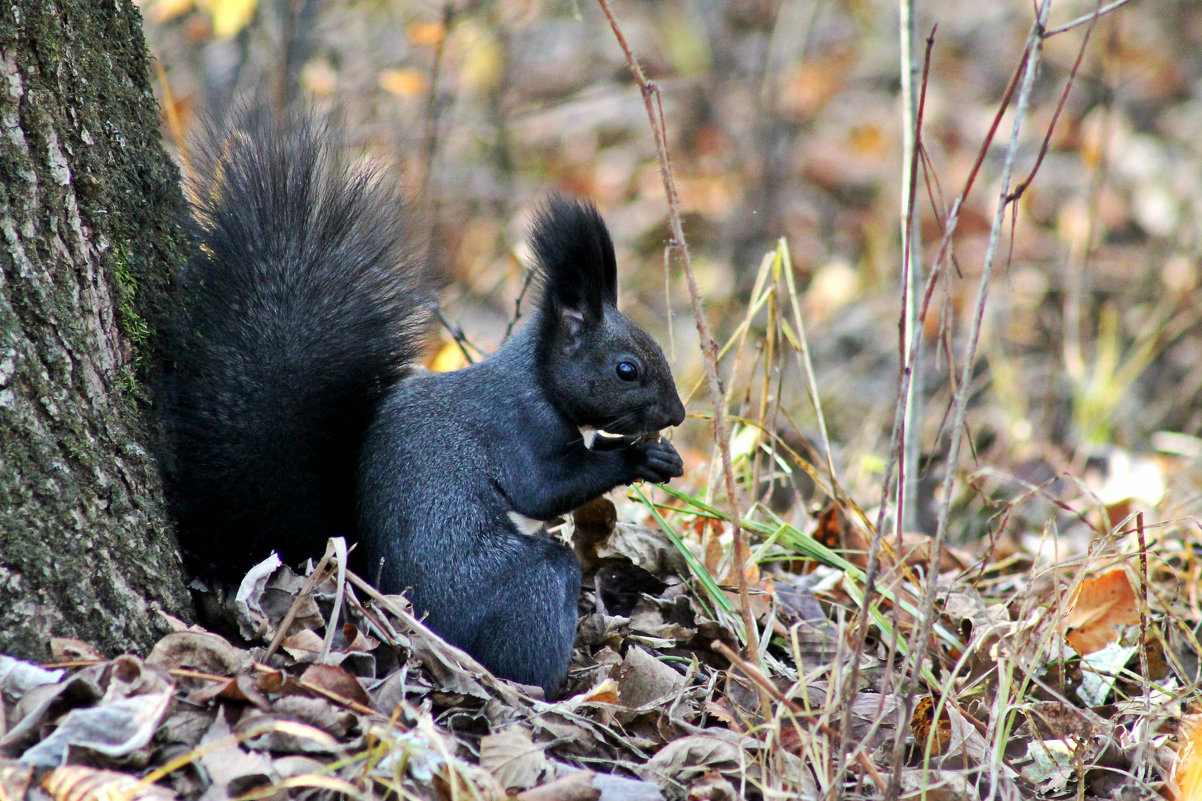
(1187, 767)
(512, 756)
(922, 722)
(81, 783)
(336, 681)
(1100, 604)
(604, 693)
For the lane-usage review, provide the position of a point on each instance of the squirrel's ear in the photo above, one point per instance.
(571, 329)
(575, 257)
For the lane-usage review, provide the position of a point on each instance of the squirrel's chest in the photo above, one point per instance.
(526, 525)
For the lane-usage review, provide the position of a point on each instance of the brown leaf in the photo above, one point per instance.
(512, 756)
(303, 645)
(271, 680)
(573, 787)
(214, 689)
(336, 681)
(922, 721)
(644, 679)
(230, 767)
(696, 754)
(830, 527)
(1099, 605)
(356, 641)
(79, 783)
(592, 524)
(196, 650)
(69, 649)
(246, 687)
(723, 712)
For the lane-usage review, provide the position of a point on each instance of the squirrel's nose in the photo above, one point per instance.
(675, 414)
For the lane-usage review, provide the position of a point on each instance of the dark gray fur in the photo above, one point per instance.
(301, 304)
(301, 310)
(451, 455)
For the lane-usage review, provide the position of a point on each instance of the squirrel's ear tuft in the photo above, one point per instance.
(575, 255)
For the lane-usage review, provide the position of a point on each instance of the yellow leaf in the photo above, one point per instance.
(81, 783)
(483, 59)
(403, 83)
(923, 720)
(428, 34)
(448, 358)
(231, 16)
(604, 693)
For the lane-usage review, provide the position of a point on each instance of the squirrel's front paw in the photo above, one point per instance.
(659, 461)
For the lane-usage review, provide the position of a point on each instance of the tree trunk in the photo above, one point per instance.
(90, 213)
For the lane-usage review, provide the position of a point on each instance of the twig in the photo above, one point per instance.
(911, 327)
(766, 686)
(1086, 19)
(1143, 613)
(913, 98)
(316, 576)
(1068, 85)
(1029, 67)
(430, 139)
(953, 217)
(910, 402)
(709, 347)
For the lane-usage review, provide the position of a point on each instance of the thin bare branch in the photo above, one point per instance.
(709, 347)
(1029, 67)
(1068, 85)
(1086, 19)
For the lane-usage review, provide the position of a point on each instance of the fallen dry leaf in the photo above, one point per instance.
(574, 787)
(922, 721)
(136, 698)
(604, 693)
(644, 679)
(1187, 767)
(199, 650)
(230, 767)
(80, 783)
(512, 756)
(1099, 605)
(333, 679)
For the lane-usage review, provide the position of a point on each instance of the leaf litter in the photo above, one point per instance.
(658, 703)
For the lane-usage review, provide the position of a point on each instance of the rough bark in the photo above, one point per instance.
(90, 210)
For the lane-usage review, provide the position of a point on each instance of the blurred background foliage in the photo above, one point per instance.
(784, 121)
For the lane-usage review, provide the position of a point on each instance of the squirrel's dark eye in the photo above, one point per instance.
(627, 371)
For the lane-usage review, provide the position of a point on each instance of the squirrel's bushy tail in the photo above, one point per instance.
(302, 303)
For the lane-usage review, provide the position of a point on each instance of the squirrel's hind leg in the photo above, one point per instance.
(528, 634)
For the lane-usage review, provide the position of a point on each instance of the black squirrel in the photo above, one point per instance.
(293, 413)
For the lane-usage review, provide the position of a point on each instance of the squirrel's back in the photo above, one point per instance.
(302, 304)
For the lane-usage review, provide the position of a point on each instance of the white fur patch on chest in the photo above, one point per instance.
(526, 525)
